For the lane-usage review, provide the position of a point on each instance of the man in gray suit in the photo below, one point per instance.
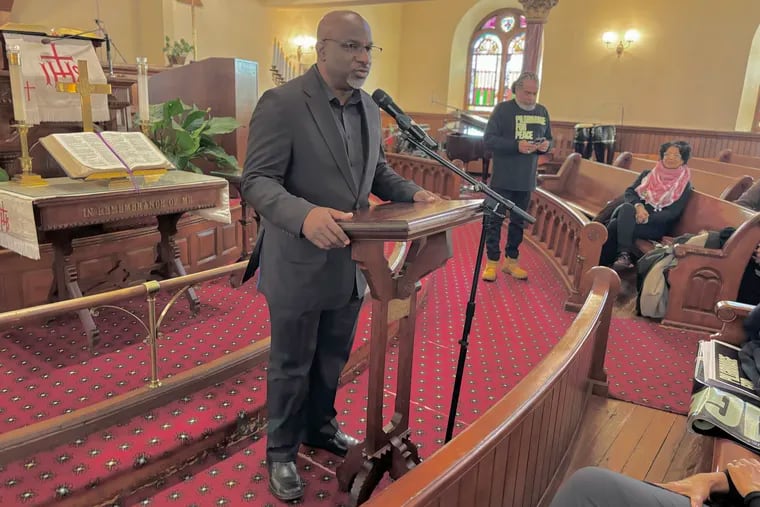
(314, 155)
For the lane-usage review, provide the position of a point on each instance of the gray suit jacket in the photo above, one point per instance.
(296, 161)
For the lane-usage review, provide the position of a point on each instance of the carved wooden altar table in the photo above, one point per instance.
(66, 209)
(388, 448)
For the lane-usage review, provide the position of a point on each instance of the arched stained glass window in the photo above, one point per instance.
(496, 58)
(490, 24)
(507, 23)
(485, 70)
(515, 51)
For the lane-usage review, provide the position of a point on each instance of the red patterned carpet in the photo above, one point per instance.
(516, 323)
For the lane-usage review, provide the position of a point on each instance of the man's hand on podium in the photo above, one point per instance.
(321, 228)
(425, 196)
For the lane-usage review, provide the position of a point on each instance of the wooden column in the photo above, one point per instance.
(536, 14)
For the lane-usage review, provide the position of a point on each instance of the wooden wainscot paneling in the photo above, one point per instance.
(636, 139)
(642, 139)
(515, 454)
(120, 258)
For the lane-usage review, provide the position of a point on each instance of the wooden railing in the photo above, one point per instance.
(516, 453)
(427, 173)
(567, 239)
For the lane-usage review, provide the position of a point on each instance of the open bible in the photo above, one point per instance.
(106, 155)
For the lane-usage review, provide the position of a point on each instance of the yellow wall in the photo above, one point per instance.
(227, 28)
(690, 68)
(687, 70)
(133, 25)
(384, 21)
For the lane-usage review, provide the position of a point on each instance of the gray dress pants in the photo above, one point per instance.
(598, 487)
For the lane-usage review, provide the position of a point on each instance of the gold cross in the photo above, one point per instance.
(86, 90)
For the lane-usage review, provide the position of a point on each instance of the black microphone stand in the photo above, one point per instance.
(470, 312)
(108, 46)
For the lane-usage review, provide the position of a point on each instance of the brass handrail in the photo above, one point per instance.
(44, 434)
(105, 298)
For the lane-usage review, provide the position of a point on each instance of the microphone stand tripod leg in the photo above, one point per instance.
(464, 342)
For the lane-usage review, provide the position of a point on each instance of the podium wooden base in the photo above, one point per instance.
(397, 458)
(388, 448)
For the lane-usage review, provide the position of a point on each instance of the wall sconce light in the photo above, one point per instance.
(611, 39)
(304, 44)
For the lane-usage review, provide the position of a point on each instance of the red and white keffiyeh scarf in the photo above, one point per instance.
(662, 187)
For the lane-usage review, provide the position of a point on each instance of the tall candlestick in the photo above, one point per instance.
(142, 89)
(274, 53)
(17, 84)
(26, 177)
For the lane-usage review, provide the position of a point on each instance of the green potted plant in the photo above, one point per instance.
(177, 51)
(186, 134)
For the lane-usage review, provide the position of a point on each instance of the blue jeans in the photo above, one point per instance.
(521, 198)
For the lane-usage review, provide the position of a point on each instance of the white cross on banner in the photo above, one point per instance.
(43, 65)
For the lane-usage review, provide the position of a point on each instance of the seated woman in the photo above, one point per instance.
(652, 205)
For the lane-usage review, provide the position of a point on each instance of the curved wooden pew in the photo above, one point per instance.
(515, 454)
(702, 276)
(427, 173)
(568, 240)
(587, 185)
(728, 188)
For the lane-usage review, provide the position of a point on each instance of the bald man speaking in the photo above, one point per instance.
(314, 156)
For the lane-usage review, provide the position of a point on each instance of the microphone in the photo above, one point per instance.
(405, 123)
(48, 40)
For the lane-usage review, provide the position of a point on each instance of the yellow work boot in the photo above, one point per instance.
(511, 267)
(489, 273)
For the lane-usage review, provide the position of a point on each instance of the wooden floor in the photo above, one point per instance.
(640, 442)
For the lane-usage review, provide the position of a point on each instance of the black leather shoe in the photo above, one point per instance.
(623, 262)
(284, 481)
(339, 444)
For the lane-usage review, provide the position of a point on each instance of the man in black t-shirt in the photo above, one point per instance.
(517, 132)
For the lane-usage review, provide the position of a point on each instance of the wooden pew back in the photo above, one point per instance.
(718, 185)
(730, 157)
(712, 166)
(706, 212)
(587, 185)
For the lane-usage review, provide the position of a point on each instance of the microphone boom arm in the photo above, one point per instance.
(478, 186)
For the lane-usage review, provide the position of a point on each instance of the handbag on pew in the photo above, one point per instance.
(605, 215)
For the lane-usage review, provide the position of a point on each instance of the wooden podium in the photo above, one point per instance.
(428, 227)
